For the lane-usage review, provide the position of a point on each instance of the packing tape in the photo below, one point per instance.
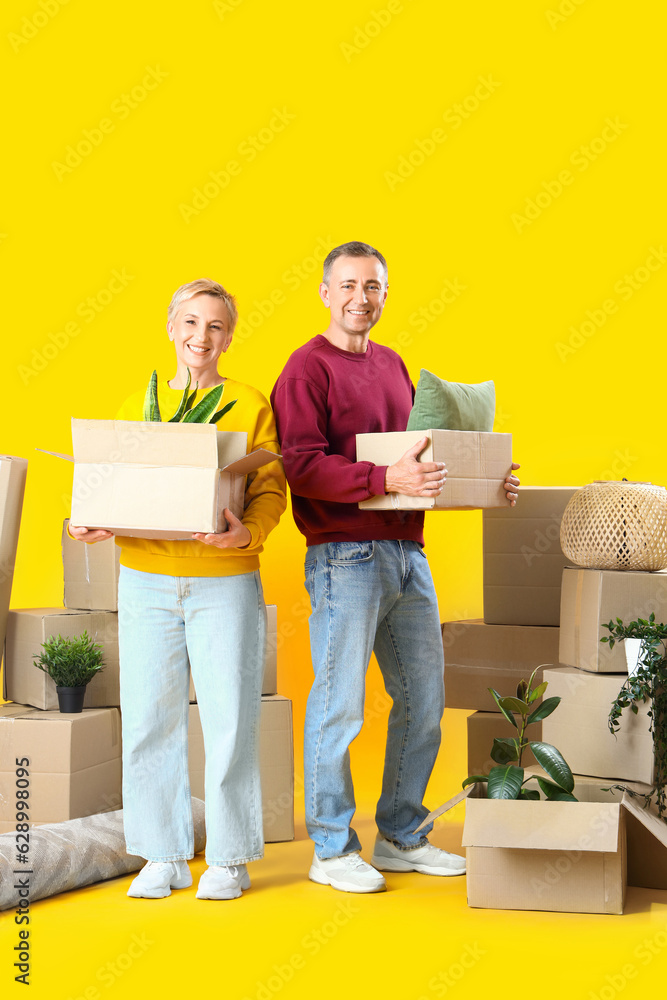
(578, 600)
(115, 726)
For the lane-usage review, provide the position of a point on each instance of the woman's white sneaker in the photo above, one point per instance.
(157, 878)
(349, 873)
(223, 882)
(428, 860)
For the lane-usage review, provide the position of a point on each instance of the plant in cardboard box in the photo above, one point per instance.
(647, 683)
(71, 663)
(186, 413)
(507, 779)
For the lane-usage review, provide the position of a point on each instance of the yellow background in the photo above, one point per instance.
(339, 99)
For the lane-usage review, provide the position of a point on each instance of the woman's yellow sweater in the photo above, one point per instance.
(264, 497)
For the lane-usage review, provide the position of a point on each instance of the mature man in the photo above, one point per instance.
(368, 579)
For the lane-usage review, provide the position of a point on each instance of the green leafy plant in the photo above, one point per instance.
(507, 779)
(70, 662)
(187, 413)
(647, 684)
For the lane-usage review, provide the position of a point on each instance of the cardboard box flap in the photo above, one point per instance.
(646, 817)
(528, 825)
(254, 460)
(454, 801)
(56, 454)
(138, 442)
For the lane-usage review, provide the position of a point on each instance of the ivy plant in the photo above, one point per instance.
(186, 413)
(507, 779)
(648, 684)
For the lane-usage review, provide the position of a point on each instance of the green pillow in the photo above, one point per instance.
(452, 406)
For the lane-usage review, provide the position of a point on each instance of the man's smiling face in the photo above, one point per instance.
(355, 294)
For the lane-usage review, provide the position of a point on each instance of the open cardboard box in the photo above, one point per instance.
(158, 480)
(568, 857)
(478, 462)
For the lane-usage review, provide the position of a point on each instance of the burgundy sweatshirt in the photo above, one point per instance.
(323, 398)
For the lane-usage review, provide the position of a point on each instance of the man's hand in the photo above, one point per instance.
(512, 486)
(237, 535)
(88, 535)
(416, 479)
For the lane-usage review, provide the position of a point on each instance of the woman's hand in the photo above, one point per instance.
(511, 486)
(89, 535)
(237, 535)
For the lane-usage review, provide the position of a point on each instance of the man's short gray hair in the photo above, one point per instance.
(354, 249)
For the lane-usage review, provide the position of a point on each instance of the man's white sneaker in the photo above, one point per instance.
(428, 860)
(157, 878)
(349, 873)
(223, 882)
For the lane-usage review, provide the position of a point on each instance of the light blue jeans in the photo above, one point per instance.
(371, 596)
(216, 627)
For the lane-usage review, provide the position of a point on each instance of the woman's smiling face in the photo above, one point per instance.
(201, 332)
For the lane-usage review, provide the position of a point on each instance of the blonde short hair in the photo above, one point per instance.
(203, 286)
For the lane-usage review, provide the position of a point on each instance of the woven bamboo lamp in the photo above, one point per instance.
(616, 525)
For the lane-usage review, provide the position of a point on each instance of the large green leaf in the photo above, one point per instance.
(538, 692)
(508, 715)
(504, 750)
(548, 706)
(151, 407)
(473, 778)
(505, 782)
(226, 408)
(529, 793)
(177, 417)
(515, 705)
(553, 763)
(205, 408)
(554, 792)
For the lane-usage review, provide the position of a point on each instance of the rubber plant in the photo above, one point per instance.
(507, 780)
(647, 684)
(203, 413)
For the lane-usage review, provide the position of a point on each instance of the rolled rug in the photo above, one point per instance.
(73, 854)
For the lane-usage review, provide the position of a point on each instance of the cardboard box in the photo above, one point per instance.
(75, 762)
(523, 560)
(90, 573)
(276, 765)
(12, 487)
(477, 465)
(28, 628)
(158, 480)
(270, 683)
(483, 728)
(579, 727)
(479, 656)
(593, 597)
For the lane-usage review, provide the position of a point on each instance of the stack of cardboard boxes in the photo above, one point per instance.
(539, 610)
(76, 759)
(523, 565)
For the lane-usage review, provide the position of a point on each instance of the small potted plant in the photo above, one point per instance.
(647, 682)
(71, 663)
(507, 779)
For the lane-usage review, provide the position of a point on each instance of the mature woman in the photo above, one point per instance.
(196, 606)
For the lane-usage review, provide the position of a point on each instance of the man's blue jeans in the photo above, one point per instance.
(371, 596)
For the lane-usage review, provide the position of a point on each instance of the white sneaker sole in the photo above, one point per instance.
(394, 865)
(317, 876)
(232, 893)
(181, 883)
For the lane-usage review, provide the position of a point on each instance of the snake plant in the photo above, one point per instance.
(203, 413)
